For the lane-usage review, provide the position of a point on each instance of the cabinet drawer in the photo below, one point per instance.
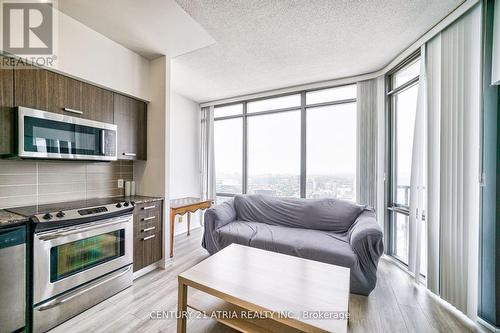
(147, 250)
(148, 225)
(148, 208)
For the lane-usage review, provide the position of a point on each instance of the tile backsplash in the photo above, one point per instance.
(31, 182)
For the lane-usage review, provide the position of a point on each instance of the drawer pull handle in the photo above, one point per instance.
(148, 229)
(149, 237)
(129, 154)
(148, 207)
(73, 111)
(149, 218)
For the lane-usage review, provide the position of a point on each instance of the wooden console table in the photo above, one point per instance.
(182, 206)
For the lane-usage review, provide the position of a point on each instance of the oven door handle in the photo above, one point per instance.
(57, 234)
(63, 299)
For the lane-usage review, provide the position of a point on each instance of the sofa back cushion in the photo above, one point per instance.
(319, 214)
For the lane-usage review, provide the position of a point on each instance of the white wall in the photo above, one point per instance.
(184, 154)
(151, 176)
(90, 56)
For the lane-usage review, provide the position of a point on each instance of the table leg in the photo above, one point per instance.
(172, 223)
(181, 308)
(189, 223)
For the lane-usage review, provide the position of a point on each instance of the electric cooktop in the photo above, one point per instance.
(57, 215)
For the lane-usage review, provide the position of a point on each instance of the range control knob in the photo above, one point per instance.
(118, 205)
(125, 204)
(60, 214)
(47, 216)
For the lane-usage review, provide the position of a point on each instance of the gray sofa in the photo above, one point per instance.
(327, 230)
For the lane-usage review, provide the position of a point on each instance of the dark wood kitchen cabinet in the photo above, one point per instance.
(42, 89)
(148, 233)
(45, 90)
(6, 112)
(64, 93)
(97, 103)
(31, 87)
(131, 118)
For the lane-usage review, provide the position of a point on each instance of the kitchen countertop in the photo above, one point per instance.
(140, 198)
(8, 219)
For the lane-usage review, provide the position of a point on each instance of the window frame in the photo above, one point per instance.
(392, 207)
(303, 131)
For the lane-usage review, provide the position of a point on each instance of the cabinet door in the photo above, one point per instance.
(31, 87)
(6, 110)
(97, 103)
(131, 119)
(64, 93)
(148, 233)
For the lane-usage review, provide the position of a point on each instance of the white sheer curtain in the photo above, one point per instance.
(207, 157)
(418, 176)
(453, 72)
(366, 183)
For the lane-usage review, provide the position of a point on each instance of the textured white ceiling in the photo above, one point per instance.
(269, 44)
(149, 27)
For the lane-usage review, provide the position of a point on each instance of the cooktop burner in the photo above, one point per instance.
(64, 214)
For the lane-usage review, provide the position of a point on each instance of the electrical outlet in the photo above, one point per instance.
(179, 219)
(120, 183)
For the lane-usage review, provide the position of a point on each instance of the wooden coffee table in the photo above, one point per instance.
(290, 294)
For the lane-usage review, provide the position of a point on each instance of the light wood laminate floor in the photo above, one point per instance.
(396, 304)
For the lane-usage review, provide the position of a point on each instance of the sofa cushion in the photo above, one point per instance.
(317, 245)
(319, 214)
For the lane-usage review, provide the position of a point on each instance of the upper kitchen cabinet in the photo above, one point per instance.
(6, 112)
(131, 118)
(41, 89)
(65, 95)
(31, 87)
(48, 91)
(97, 103)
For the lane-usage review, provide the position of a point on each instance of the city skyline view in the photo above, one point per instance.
(340, 186)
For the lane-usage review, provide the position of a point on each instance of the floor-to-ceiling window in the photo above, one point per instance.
(403, 92)
(301, 144)
(331, 143)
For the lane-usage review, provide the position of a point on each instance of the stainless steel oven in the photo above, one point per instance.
(78, 266)
(50, 135)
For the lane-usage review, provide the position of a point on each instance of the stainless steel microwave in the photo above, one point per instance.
(50, 135)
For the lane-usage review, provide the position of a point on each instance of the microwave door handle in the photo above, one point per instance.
(103, 143)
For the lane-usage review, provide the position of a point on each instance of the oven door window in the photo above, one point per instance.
(72, 258)
(50, 136)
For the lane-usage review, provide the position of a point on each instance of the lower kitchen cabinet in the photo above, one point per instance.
(148, 233)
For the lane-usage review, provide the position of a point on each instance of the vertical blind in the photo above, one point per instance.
(366, 185)
(453, 100)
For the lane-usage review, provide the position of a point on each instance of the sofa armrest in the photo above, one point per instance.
(221, 214)
(367, 241)
(215, 218)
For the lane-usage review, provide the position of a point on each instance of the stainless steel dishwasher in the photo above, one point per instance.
(12, 278)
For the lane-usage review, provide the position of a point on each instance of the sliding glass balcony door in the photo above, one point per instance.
(403, 92)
